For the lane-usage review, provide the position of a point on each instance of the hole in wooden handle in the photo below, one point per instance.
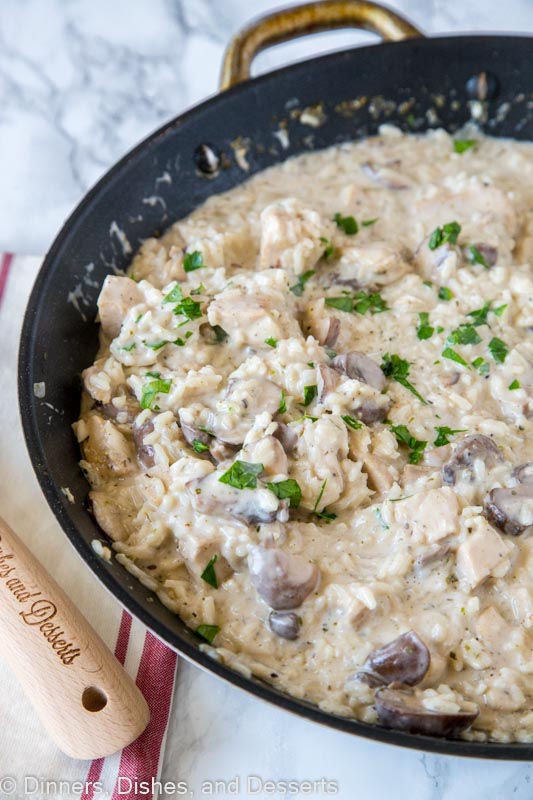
(93, 699)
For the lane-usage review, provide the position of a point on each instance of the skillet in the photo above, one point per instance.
(413, 82)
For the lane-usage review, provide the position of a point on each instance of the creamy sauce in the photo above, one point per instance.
(324, 338)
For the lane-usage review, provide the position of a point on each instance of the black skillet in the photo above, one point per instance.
(416, 84)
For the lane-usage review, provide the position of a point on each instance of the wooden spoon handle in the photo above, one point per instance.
(85, 699)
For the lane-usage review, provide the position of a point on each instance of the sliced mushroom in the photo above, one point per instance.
(118, 295)
(510, 510)
(334, 326)
(244, 400)
(286, 437)
(524, 473)
(210, 496)
(283, 580)
(189, 430)
(145, 452)
(400, 709)
(406, 659)
(327, 381)
(370, 410)
(285, 624)
(122, 415)
(384, 176)
(221, 451)
(469, 450)
(430, 555)
(360, 367)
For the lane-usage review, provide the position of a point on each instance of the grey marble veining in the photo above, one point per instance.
(81, 81)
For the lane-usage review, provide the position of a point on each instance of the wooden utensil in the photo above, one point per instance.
(84, 698)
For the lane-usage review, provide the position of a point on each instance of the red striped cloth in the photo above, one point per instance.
(148, 660)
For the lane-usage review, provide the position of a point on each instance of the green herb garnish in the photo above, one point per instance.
(498, 350)
(352, 423)
(462, 145)
(198, 446)
(445, 293)
(209, 575)
(453, 356)
(398, 369)
(514, 385)
(208, 632)
(329, 248)
(129, 347)
(156, 345)
(271, 341)
(360, 302)
(347, 224)
(288, 489)
(174, 296)
(500, 309)
(464, 334)
(242, 475)
(424, 330)
(416, 446)
(367, 222)
(299, 286)
(324, 514)
(341, 303)
(150, 390)
(483, 367)
(480, 315)
(448, 233)
(442, 434)
(189, 308)
(310, 392)
(475, 257)
(192, 261)
(282, 404)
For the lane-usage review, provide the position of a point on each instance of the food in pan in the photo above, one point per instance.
(308, 429)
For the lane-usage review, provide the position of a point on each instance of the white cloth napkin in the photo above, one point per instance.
(27, 755)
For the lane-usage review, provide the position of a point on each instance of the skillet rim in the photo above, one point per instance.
(516, 751)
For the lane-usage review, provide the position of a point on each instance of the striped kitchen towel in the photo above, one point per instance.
(30, 764)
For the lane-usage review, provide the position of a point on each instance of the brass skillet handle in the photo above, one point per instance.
(289, 23)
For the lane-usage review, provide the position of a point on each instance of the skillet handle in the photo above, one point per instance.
(290, 23)
(83, 696)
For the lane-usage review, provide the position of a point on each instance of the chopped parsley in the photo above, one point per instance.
(476, 257)
(289, 490)
(152, 374)
(156, 345)
(367, 222)
(360, 302)
(271, 341)
(192, 261)
(138, 319)
(453, 356)
(500, 309)
(398, 369)
(189, 308)
(208, 632)
(424, 330)
(416, 446)
(324, 514)
(352, 423)
(310, 392)
(129, 347)
(498, 350)
(483, 367)
(174, 296)
(464, 334)
(445, 294)
(209, 575)
(282, 403)
(479, 316)
(329, 248)
(198, 446)
(514, 385)
(442, 434)
(462, 145)
(448, 233)
(347, 224)
(298, 287)
(199, 289)
(150, 390)
(242, 475)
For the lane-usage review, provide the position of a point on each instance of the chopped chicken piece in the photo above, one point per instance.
(107, 449)
(431, 515)
(493, 629)
(381, 474)
(481, 553)
(372, 264)
(291, 236)
(118, 295)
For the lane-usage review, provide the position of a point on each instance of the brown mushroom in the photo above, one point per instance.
(469, 450)
(327, 381)
(510, 510)
(400, 709)
(369, 411)
(406, 659)
(283, 580)
(210, 496)
(145, 452)
(359, 366)
(286, 437)
(524, 473)
(285, 624)
(489, 253)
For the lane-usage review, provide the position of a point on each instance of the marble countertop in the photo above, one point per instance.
(81, 82)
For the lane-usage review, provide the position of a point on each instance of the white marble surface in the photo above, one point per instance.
(81, 81)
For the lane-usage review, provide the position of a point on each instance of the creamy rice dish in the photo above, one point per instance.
(308, 429)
